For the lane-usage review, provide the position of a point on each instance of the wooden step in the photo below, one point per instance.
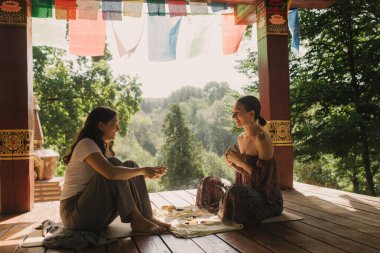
(48, 190)
(53, 181)
(47, 198)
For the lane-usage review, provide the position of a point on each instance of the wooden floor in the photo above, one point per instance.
(334, 221)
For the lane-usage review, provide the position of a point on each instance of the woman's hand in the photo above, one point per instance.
(154, 172)
(233, 156)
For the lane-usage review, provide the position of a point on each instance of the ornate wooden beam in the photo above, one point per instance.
(272, 33)
(16, 100)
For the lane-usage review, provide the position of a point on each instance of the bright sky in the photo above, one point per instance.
(159, 79)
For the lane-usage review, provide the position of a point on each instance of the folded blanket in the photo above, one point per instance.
(190, 221)
(57, 236)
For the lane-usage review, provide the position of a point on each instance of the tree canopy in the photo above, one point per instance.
(181, 153)
(68, 89)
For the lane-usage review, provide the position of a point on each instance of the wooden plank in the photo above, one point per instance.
(329, 191)
(344, 202)
(122, 245)
(192, 192)
(271, 241)
(301, 240)
(213, 244)
(150, 244)
(5, 228)
(180, 245)
(347, 234)
(339, 220)
(173, 199)
(157, 200)
(101, 249)
(60, 251)
(22, 226)
(242, 243)
(188, 197)
(10, 218)
(371, 210)
(30, 250)
(344, 211)
(330, 237)
(13, 238)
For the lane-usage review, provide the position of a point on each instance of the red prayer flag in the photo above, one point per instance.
(65, 9)
(231, 33)
(177, 8)
(87, 37)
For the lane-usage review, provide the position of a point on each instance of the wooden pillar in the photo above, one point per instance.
(272, 36)
(16, 112)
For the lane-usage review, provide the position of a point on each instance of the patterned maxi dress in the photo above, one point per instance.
(249, 200)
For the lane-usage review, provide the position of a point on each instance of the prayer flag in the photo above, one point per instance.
(88, 9)
(111, 9)
(87, 37)
(216, 7)
(198, 8)
(50, 33)
(156, 7)
(201, 36)
(133, 8)
(42, 8)
(177, 8)
(162, 37)
(65, 9)
(232, 34)
(128, 34)
(294, 28)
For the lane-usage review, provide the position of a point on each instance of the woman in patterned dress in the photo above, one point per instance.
(255, 194)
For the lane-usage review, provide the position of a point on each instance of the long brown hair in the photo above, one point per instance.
(92, 131)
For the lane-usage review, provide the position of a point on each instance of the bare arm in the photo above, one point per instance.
(264, 146)
(101, 165)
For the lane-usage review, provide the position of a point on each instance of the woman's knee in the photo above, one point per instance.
(115, 161)
(235, 189)
(130, 164)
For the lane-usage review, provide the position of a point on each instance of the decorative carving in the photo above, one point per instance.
(16, 144)
(13, 12)
(279, 131)
(272, 16)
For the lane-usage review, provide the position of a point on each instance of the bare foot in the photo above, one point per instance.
(146, 226)
(140, 224)
(160, 223)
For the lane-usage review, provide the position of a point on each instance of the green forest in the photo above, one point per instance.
(335, 107)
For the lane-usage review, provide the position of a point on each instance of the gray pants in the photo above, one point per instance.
(103, 200)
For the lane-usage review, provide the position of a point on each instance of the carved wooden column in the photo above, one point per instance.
(272, 36)
(16, 107)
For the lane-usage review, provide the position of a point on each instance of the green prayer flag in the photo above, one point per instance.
(42, 8)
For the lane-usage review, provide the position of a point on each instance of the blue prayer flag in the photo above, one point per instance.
(294, 28)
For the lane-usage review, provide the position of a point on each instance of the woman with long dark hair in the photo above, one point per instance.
(98, 187)
(255, 194)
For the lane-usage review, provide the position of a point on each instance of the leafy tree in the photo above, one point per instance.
(68, 89)
(184, 94)
(180, 152)
(216, 166)
(335, 91)
(214, 91)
